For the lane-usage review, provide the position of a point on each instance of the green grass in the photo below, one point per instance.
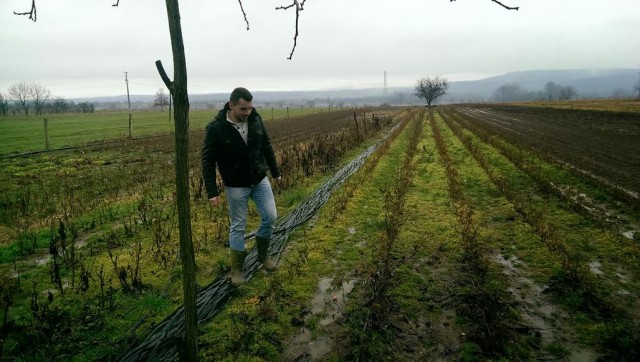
(256, 324)
(26, 133)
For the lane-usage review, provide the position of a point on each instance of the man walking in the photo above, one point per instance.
(238, 143)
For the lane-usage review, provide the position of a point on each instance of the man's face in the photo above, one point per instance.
(241, 110)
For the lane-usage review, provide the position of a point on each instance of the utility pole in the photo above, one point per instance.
(384, 90)
(126, 80)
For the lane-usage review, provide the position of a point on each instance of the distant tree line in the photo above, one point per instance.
(552, 91)
(35, 99)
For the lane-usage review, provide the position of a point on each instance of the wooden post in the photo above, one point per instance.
(301, 111)
(287, 112)
(355, 120)
(178, 89)
(46, 134)
(126, 79)
(272, 113)
(130, 130)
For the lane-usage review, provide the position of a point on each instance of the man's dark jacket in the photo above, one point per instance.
(240, 164)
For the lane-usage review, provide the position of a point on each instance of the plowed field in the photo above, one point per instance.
(603, 144)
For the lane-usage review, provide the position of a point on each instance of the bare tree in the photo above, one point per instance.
(59, 105)
(40, 95)
(567, 92)
(162, 99)
(552, 90)
(21, 95)
(33, 13)
(4, 105)
(188, 348)
(431, 89)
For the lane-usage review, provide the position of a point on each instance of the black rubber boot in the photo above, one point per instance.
(237, 260)
(263, 254)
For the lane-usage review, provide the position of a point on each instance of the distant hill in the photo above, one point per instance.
(589, 83)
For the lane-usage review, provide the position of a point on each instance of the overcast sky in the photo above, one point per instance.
(82, 48)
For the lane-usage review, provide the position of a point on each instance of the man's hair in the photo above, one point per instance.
(240, 93)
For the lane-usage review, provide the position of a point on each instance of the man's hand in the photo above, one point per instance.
(215, 201)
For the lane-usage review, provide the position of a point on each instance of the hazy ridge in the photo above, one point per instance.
(589, 83)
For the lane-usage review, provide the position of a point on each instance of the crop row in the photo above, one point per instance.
(483, 299)
(108, 251)
(575, 277)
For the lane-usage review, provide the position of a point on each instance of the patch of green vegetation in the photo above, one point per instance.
(470, 352)
(21, 134)
(28, 242)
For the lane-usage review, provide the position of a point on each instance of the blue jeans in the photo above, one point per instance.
(238, 199)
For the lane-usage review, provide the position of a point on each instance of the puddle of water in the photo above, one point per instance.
(319, 300)
(622, 275)
(508, 264)
(303, 348)
(540, 325)
(330, 302)
(44, 260)
(583, 356)
(595, 267)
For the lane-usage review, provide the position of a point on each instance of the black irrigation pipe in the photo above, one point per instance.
(161, 343)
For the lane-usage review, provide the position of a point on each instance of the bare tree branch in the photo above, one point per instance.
(505, 6)
(299, 7)
(117, 3)
(243, 13)
(501, 4)
(33, 15)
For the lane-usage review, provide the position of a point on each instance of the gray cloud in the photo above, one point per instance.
(82, 48)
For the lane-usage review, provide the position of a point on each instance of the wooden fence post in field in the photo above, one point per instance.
(272, 113)
(126, 79)
(301, 111)
(287, 112)
(46, 134)
(355, 120)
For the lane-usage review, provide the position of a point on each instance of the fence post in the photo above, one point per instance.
(287, 112)
(272, 113)
(46, 134)
(129, 124)
(355, 120)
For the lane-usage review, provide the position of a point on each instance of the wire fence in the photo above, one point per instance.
(161, 344)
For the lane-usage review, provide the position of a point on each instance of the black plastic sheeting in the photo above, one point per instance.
(160, 344)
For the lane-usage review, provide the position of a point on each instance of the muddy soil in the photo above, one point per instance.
(604, 144)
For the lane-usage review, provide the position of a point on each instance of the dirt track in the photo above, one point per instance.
(604, 144)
